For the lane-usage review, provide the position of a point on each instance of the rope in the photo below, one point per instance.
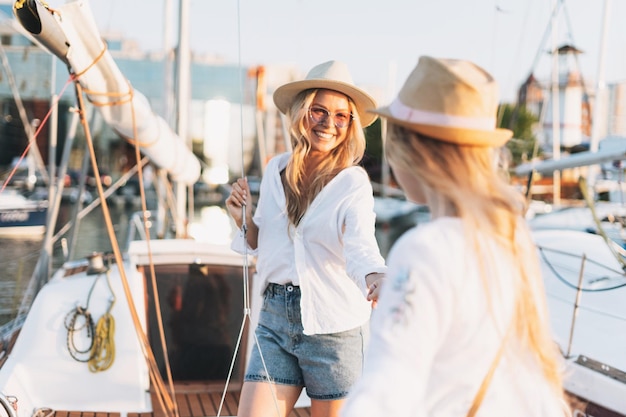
(128, 98)
(94, 62)
(71, 320)
(582, 184)
(168, 405)
(74, 324)
(103, 348)
(164, 398)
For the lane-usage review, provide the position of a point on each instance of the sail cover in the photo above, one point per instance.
(70, 33)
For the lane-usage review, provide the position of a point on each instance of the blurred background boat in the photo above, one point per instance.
(21, 216)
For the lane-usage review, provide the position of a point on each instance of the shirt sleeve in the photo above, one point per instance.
(239, 245)
(359, 236)
(407, 328)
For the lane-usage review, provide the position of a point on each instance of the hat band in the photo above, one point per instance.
(405, 113)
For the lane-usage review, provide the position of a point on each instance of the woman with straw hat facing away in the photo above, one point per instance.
(461, 327)
(317, 256)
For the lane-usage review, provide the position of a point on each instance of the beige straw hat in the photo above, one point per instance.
(452, 100)
(331, 75)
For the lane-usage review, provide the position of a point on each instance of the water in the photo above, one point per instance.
(18, 256)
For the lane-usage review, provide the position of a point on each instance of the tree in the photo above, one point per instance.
(373, 158)
(520, 121)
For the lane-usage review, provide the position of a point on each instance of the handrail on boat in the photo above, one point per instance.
(8, 329)
(9, 404)
(136, 225)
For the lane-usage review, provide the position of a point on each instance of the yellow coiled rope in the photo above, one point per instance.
(103, 349)
(102, 353)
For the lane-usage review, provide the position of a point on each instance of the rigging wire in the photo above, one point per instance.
(546, 33)
(244, 230)
(28, 127)
(582, 182)
(610, 244)
(570, 36)
(33, 139)
(562, 279)
(246, 305)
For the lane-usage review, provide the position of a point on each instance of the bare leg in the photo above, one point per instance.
(326, 408)
(257, 399)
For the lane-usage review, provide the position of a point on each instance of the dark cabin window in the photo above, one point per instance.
(202, 313)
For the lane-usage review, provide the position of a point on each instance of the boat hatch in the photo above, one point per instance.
(202, 311)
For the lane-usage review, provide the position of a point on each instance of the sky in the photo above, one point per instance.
(382, 40)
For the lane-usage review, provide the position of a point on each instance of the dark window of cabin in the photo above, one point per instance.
(202, 314)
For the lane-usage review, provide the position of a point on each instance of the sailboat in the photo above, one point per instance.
(159, 329)
(20, 216)
(583, 264)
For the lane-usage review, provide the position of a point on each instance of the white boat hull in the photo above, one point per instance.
(21, 217)
(590, 325)
(41, 356)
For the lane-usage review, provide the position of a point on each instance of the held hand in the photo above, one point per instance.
(374, 289)
(239, 197)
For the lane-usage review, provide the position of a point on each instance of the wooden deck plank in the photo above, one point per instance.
(231, 404)
(209, 407)
(195, 406)
(195, 403)
(183, 405)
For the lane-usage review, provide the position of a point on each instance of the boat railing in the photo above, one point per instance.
(7, 332)
(137, 226)
(142, 225)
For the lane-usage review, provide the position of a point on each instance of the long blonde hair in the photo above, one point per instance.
(348, 153)
(467, 179)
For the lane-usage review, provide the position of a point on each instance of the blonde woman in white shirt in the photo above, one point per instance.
(317, 256)
(461, 327)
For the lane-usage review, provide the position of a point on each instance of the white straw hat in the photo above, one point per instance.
(331, 75)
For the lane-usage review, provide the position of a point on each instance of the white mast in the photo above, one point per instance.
(168, 105)
(600, 87)
(599, 101)
(183, 64)
(556, 131)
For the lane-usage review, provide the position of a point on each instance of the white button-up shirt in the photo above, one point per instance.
(435, 333)
(328, 254)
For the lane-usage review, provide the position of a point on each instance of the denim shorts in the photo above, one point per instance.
(326, 364)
